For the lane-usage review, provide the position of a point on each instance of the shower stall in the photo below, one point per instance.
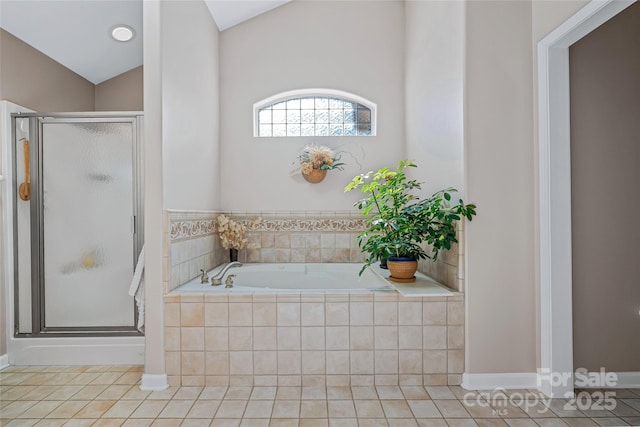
(76, 218)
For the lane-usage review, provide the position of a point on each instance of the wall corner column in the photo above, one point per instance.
(154, 377)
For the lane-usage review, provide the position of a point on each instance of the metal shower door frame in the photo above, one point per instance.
(36, 123)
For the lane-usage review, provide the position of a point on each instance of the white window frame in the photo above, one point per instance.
(305, 93)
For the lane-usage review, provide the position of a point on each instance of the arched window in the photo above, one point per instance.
(314, 112)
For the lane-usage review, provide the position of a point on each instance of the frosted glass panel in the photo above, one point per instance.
(88, 209)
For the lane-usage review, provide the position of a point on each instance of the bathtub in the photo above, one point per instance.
(314, 277)
(294, 277)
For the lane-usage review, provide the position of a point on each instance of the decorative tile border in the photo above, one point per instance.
(188, 229)
(338, 224)
(185, 225)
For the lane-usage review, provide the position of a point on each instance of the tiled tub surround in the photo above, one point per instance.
(192, 243)
(305, 339)
(449, 268)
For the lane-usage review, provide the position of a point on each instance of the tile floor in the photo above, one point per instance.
(109, 396)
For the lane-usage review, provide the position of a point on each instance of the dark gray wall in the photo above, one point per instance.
(605, 174)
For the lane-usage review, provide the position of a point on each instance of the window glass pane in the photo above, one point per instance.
(293, 130)
(322, 130)
(322, 103)
(279, 130)
(322, 116)
(307, 130)
(315, 115)
(364, 116)
(307, 104)
(293, 116)
(350, 130)
(336, 103)
(349, 116)
(265, 130)
(335, 116)
(363, 129)
(264, 116)
(279, 116)
(308, 116)
(293, 104)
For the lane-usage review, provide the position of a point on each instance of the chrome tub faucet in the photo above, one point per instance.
(217, 279)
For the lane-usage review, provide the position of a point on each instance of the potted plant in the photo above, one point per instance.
(400, 223)
(316, 160)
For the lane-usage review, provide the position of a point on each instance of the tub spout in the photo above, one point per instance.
(217, 279)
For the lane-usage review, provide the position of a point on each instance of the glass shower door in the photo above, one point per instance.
(87, 223)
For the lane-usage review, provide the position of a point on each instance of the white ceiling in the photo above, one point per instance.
(228, 13)
(76, 33)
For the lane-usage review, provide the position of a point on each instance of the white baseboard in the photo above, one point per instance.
(530, 381)
(154, 382)
(4, 361)
(502, 381)
(77, 351)
(625, 380)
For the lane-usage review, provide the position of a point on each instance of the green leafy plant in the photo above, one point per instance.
(399, 221)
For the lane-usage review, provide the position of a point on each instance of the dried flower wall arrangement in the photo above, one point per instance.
(316, 160)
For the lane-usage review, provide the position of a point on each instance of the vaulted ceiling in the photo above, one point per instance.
(77, 33)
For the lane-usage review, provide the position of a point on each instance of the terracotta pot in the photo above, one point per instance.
(402, 269)
(315, 176)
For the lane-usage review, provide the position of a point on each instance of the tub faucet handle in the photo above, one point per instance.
(229, 282)
(204, 278)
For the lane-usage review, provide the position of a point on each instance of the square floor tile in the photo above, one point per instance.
(341, 409)
(313, 409)
(258, 409)
(286, 409)
(231, 409)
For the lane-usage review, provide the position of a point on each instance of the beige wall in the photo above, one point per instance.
(434, 37)
(3, 298)
(499, 178)
(121, 93)
(37, 82)
(357, 47)
(190, 96)
(501, 169)
(605, 155)
(181, 110)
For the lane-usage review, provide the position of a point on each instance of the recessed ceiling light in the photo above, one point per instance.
(123, 33)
